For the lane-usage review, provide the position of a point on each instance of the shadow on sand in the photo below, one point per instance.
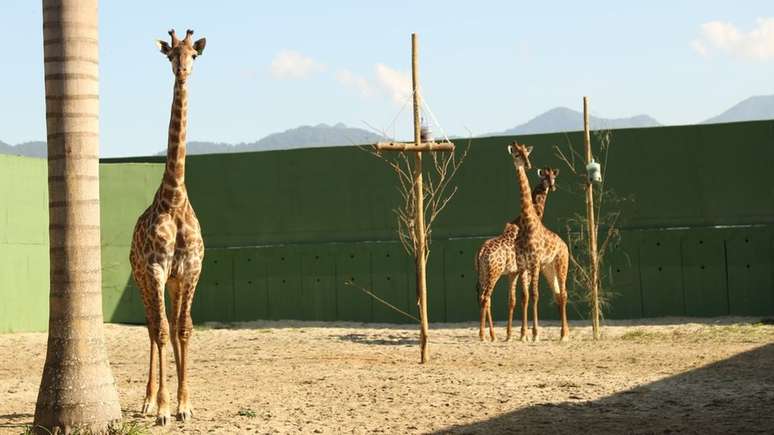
(735, 395)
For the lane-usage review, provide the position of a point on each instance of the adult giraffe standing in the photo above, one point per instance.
(538, 249)
(167, 247)
(497, 256)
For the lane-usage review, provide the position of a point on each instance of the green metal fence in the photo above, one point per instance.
(285, 229)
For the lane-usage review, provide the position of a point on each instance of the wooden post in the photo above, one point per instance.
(419, 225)
(418, 147)
(592, 226)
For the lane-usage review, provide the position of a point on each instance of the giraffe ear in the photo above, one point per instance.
(529, 150)
(163, 46)
(199, 46)
(556, 172)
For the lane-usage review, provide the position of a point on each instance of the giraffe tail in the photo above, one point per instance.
(478, 280)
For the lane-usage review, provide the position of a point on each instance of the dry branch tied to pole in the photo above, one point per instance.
(424, 146)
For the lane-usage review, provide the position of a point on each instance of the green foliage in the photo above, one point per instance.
(249, 413)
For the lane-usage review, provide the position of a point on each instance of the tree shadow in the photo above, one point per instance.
(380, 340)
(18, 420)
(735, 395)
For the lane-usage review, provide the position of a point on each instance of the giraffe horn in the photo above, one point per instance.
(172, 34)
(188, 34)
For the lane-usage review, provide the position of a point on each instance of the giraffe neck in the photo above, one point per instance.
(529, 216)
(173, 191)
(539, 197)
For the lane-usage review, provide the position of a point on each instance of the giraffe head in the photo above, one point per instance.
(548, 177)
(181, 53)
(520, 154)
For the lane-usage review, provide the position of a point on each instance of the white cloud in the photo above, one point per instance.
(349, 79)
(288, 64)
(757, 44)
(699, 47)
(396, 83)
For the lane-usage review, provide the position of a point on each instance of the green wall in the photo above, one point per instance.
(285, 229)
(23, 244)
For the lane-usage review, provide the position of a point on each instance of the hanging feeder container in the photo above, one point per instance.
(425, 134)
(594, 172)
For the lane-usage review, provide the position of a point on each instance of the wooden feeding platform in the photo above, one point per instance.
(411, 146)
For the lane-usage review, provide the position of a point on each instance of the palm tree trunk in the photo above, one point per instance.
(77, 390)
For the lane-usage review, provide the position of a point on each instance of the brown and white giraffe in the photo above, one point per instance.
(538, 249)
(497, 256)
(167, 248)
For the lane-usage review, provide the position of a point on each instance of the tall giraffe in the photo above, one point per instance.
(538, 249)
(497, 256)
(167, 248)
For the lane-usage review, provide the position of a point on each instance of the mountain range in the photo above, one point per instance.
(28, 149)
(563, 119)
(558, 119)
(306, 136)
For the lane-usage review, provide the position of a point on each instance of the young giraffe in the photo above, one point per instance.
(497, 256)
(494, 259)
(539, 248)
(167, 248)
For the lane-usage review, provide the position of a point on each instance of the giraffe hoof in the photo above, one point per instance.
(147, 407)
(162, 420)
(184, 415)
(523, 339)
(564, 339)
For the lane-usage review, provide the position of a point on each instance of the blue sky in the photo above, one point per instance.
(484, 66)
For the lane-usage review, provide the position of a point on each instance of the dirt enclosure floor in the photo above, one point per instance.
(666, 376)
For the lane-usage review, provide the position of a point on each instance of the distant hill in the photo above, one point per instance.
(305, 136)
(28, 149)
(751, 109)
(555, 120)
(563, 119)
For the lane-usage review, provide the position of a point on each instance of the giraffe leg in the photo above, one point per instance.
(561, 265)
(489, 315)
(158, 318)
(482, 302)
(534, 284)
(174, 296)
(511, 303)
(551, 274)
(525, 281)
(483, 318)
(492, 276)
(152, 386)
(185, 330)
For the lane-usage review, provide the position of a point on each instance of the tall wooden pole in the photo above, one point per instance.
(419, 225)
(592, 226)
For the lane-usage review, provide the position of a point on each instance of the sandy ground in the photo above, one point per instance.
(671, 375)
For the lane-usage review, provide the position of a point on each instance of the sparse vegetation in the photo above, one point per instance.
(122, 428)
(755, 332)
(607, 208)
(249, 413)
